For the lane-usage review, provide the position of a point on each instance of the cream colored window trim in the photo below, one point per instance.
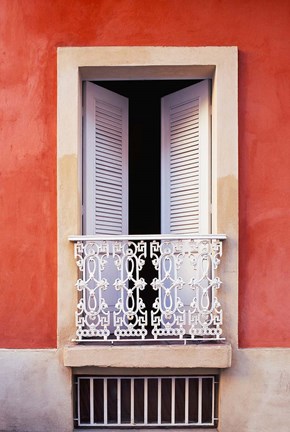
(78, 64)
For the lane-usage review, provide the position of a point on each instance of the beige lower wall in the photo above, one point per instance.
(35, 392)
(255, 392)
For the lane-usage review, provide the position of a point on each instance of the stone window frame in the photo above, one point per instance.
(76, 64)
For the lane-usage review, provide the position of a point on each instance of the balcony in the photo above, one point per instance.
(161, 288)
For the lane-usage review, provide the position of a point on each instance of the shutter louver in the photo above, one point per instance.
(185, 161)
(106, 162)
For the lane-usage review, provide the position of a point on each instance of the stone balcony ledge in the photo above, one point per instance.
(205, 355)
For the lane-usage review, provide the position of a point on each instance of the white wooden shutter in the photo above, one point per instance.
(105, 188)
(185, 161)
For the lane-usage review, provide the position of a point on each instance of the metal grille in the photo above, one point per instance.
(145, 401)
(148, 288)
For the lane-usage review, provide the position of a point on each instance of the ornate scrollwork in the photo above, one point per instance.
(205, 313)
(92, 316)
(112, 288)
(168, 314)
(130, 316)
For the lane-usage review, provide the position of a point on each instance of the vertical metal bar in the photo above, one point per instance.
(79, 412)
(75, 389)
(212, 401)
(92, 401)
(105, 401)
(145, 401)
(173, 400)
(132, 414)
(199, 400)
(186, 401)
(159, 402)
(119, 401)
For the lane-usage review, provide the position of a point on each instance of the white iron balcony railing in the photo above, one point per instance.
(162, 287)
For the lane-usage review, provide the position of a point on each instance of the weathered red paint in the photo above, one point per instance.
(30, 32)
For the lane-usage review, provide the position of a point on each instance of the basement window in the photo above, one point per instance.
(135, 401)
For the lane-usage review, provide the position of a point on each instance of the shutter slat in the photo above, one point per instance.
(190, 110)
(106, 158)
(183, 173)
(188, 139)
(190, 113)
(185, 213)
(115, 223)
(181, 127)
(107, 128)
(108, 148)
(103, 169)
(186, 105)
(183, 146)
(183, 179)
(185, 154)
(100, 196)
(182, 165)
(184, 130)
(110, 213)
(108, 132)
(180, 168)
(185, 184)
(106, 137)
(114, 187)
(108, 110)
(193, 189)
(185, 115)
(108, 123)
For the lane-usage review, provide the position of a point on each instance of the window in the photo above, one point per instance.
(126, 401)
(154, 299)
(78, 64)
(109, 144)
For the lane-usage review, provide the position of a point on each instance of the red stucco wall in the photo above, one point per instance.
(30, 32)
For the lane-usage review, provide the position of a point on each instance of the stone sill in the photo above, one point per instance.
(149, 356)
